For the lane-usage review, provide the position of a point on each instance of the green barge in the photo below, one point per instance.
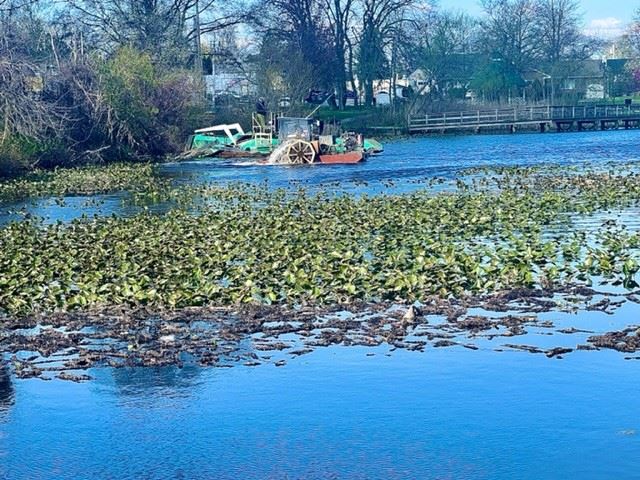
(230, 140)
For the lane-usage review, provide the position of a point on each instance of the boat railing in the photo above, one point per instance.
(262, 131)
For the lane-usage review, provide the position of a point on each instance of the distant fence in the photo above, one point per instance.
(521, 116)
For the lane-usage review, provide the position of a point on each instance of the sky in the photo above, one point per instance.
(605, 17)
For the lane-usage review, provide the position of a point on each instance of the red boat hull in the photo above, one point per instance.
(337, 158)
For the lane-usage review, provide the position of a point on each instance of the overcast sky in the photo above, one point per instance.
(601, 16)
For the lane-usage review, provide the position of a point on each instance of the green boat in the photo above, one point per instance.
(230, 140)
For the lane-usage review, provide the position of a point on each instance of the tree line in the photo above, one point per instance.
(337, 44)
(91, 80)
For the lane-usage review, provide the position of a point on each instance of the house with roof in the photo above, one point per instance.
(454, 73)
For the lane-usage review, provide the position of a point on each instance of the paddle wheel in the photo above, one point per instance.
(302, 144)
(300, 152)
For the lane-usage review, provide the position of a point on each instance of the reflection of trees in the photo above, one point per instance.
(6, 390)
(145, 381)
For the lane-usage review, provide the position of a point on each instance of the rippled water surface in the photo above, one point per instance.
(415, 158)
(398, 170)
(346, 413)
(337, 413)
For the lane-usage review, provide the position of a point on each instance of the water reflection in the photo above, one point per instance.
(7, 392)
(142, 382)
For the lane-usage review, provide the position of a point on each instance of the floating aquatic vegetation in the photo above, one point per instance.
(249, 244)
(82, 181)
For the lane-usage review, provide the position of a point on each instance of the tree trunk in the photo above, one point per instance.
(352, 78)
(368, 92)
(341, 74)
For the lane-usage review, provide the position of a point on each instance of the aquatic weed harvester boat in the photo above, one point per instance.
(283, 141)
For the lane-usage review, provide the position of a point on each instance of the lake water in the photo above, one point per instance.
(348, 412)
(400, 169)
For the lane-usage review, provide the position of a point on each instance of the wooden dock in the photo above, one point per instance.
(544, 118)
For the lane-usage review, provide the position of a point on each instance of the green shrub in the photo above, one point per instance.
(153, 109)
(18, 154)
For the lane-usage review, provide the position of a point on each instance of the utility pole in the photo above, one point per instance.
(213, 69)
(198, 30)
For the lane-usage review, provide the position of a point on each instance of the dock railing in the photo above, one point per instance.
(520, 116)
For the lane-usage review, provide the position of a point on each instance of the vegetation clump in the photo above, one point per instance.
(248, 244)
(82, 181)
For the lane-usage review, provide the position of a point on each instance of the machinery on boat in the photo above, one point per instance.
(301, 141)
(283, 140)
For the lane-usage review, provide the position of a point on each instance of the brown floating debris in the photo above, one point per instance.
(572, 330)
(78, 378)
(476, 324)
(605, 305)
(444, 343)
(586, 347)
(65, 343)
(525, 348)
(627, 341)
(558, 352)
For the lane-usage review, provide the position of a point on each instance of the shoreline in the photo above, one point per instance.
(400, 133)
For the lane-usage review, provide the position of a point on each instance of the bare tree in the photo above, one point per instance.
(442, 43)
(631, 38)
(23, 64)
(559, 24)
(340, 14)
(295, 41)
(23, 111)
(510, 28)
(28, 113)
(165, 28)
(379, 20)
(8, 7)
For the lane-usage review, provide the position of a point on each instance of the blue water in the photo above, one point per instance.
(349, 413)
(402, 168)
(405, 162)
(337, 413)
